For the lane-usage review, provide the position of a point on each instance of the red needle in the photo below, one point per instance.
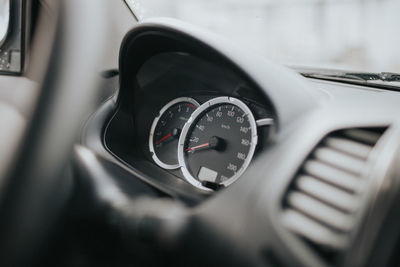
(162, 139)
(199, 146)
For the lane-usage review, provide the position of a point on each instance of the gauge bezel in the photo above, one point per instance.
(154, 125)
(188, 125)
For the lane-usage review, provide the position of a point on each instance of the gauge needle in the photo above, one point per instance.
(162, 139)
(197, 147)
(175, 133)
(214, 143)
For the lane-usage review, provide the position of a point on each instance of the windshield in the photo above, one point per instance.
(359, 35)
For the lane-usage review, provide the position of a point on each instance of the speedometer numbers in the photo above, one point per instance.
(212, 144)
(166, 130)
(217, 143)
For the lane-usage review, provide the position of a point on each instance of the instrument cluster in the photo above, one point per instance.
(211, 143)
(189, 123)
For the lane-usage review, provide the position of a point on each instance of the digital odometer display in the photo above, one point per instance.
(218, 142)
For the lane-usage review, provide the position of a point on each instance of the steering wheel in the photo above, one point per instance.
(69, 42)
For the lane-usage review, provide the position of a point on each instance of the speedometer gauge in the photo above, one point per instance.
(166, 129)
(217, 143)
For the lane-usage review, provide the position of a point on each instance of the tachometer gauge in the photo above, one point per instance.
(217, 143)
(166, 129)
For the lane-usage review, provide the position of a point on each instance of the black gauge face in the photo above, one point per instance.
(166, 130)
(219, 143)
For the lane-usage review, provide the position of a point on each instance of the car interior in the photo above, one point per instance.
(156, 142)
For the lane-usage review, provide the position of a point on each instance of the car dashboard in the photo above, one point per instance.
(310, 164)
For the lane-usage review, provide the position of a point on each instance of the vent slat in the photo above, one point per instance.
(334, 176)
(321, 212)
(340, 160)
(366, 136)
(349, 147)
(314, 231)
(327, 193)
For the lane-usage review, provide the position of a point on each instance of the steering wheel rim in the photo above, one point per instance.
(35, 188)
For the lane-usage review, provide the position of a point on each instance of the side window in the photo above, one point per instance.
(4, 19)
(12, 39)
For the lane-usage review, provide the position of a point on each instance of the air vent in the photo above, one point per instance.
(322, 202)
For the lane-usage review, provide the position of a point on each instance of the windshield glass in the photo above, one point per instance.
(360, 35)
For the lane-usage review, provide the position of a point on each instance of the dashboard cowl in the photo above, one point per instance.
(282, 86)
